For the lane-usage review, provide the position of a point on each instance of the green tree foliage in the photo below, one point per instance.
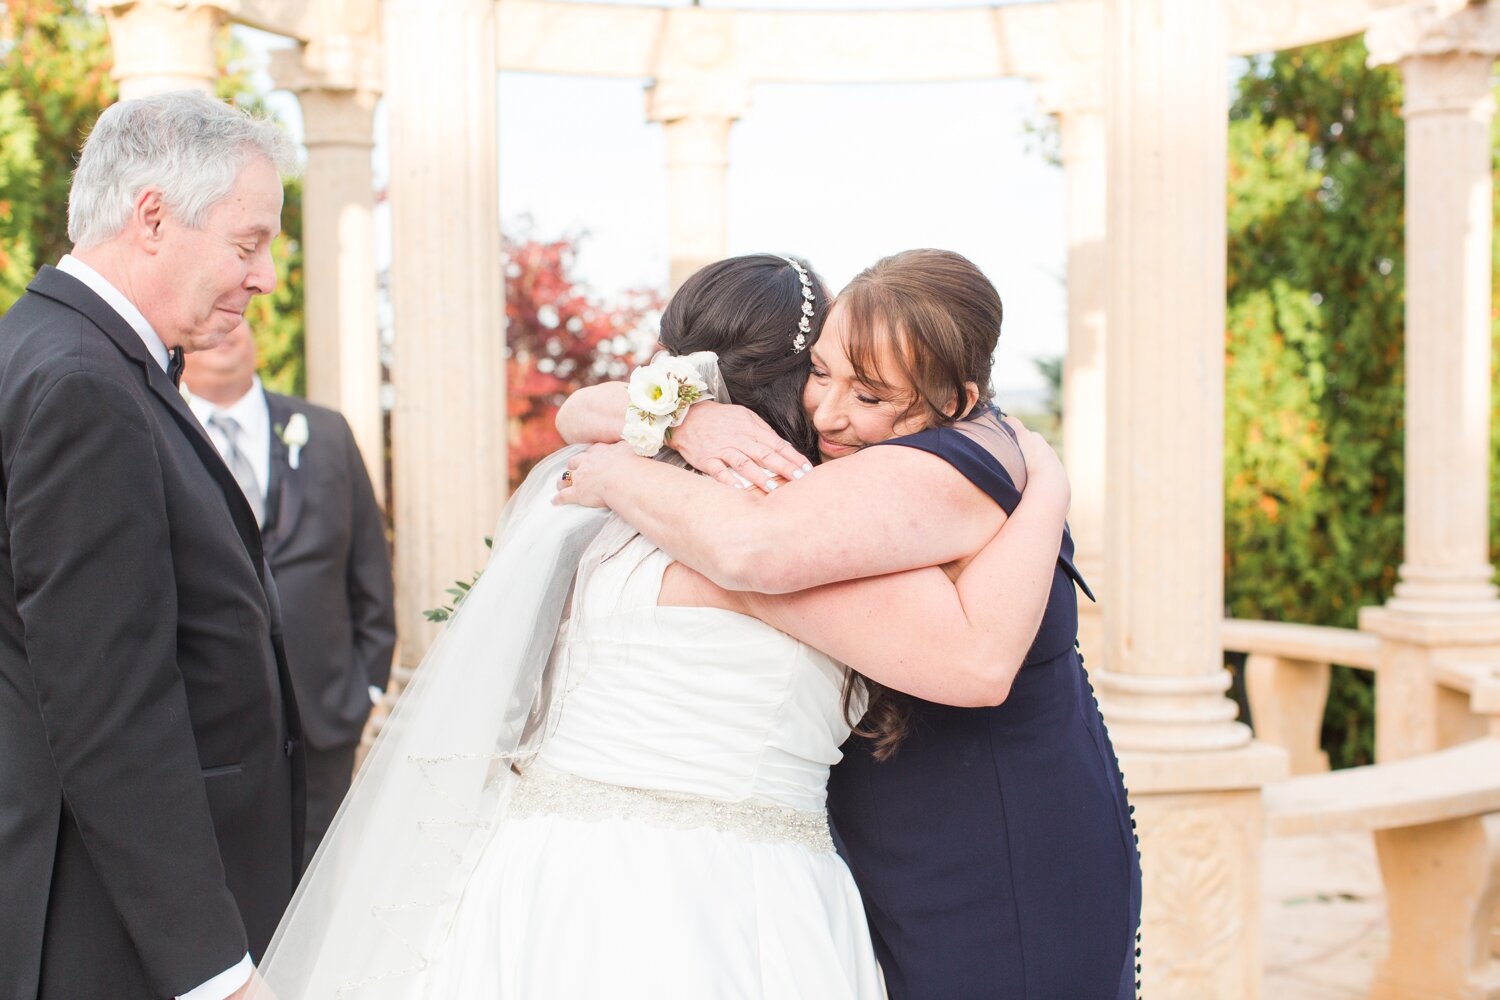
(19, 179)
(276, 319)
(1051, 370)
(55, 58)
(55, 64)
(1313, 421)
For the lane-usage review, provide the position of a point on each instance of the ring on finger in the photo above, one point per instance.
(567, 475)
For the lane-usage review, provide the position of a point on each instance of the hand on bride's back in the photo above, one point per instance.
(590, 472)
(1044, 469)
(732, 443)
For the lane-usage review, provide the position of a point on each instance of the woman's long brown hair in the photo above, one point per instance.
(938, 319)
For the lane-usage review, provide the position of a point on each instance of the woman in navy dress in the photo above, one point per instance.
(993, 844)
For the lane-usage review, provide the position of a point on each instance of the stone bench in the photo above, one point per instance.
(1436, 821)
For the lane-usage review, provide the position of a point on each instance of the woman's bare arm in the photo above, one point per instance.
(594, 414)
(953, 642)
(730, 443)
(879, 511)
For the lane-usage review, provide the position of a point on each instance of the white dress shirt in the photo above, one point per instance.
(118, 302)
(224, 984)
(231, 979)
(253, 414)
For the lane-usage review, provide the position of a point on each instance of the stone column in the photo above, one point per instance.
(162, 45)
(696, 115)
(699, 91)
(1193, 772)
(1445, 610)
(337, 82)
(1076, 99)
(447, 292)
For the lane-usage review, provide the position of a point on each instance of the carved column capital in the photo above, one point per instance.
(1073, 90)
(333, 62)
(118, 7)
(163, 45)
(337, 81)
(342, 51)
(337, 74)
(1432, 29)
(1073, 83)
(698, 69)
(708, 96)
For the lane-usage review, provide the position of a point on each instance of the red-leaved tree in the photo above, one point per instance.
(560, 337)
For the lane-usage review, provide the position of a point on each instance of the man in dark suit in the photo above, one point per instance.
(325, 538)
(150, 776)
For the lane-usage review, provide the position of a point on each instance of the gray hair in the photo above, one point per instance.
(187, 144)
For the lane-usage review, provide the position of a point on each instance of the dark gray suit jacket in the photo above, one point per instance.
(150, 781)
(325, 538)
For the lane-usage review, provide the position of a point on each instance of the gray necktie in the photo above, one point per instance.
(239, 463)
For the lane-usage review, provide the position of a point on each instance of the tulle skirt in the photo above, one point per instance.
(562, 908)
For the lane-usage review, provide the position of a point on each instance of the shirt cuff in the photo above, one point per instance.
(224, 983)
(376, 694)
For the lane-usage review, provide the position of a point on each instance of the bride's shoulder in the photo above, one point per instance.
(620, 569)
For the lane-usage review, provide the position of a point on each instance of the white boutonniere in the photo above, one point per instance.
(660, 394)
(294, 436)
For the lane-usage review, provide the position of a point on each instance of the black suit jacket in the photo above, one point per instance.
(150, 785)
(325, 538)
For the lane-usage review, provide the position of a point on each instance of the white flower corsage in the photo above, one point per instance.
(294, 436)
(660, 394)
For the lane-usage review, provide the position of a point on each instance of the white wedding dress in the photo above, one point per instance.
(670, 839)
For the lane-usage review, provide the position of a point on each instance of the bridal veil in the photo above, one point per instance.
(382, 889)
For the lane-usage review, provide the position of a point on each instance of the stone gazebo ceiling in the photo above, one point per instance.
(820, 46)
(811, 46)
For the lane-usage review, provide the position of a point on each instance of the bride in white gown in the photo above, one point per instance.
(645, 817)
(672, 829)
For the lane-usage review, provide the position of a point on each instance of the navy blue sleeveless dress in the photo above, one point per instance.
(995, 851)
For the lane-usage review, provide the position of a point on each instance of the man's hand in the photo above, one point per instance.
(736, 447)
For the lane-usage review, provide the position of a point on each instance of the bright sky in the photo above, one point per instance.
(841, 175)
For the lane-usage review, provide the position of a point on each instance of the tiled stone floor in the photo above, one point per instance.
(1324, 917)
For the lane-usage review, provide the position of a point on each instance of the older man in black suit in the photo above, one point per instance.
(325, 538)
(150, 776)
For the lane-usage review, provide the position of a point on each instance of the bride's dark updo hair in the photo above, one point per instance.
(746, 310)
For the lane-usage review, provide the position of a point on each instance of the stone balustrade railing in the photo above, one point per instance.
(1435, 816)
(1288, 669)
(1287, 674)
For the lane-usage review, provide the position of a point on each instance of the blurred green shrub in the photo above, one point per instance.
(1314, 420)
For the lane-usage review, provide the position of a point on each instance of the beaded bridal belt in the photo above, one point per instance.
(545, 790)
